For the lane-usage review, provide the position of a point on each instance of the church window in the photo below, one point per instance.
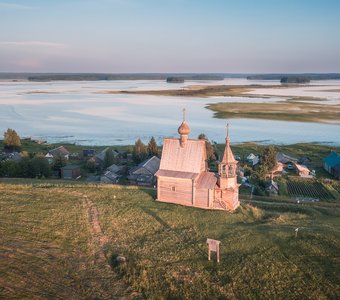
(230, 170)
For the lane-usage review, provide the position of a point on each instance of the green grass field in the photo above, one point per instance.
(48, 250)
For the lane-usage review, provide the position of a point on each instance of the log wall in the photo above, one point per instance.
(175, 190)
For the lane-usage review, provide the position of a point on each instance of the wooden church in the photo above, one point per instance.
(184, 177)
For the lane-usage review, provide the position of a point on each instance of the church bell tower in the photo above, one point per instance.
(227, 177)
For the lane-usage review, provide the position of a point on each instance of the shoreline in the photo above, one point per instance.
(292, 108)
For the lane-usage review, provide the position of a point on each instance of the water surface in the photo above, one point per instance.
(75, 112)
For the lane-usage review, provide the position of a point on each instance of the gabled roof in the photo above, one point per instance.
(15, 156)
(251, 156)
(101, 155)
(114, 168)
(278, 167)
(283, 158)
(108, 175)
(61, 150)
(183, 159)
(332, 159)
(150, 164)
(301, 168)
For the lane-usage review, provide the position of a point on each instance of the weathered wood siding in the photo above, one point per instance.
(175, 190)
(202, 198)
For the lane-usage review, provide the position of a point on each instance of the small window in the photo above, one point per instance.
(173, 189)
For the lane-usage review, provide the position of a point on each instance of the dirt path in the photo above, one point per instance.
(99, 240)
(98, 244)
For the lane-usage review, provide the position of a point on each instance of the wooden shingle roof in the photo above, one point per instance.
(228, 156)
(190, 158)
(207, 180)
(61, 150)
(177, 174)
(151, 165)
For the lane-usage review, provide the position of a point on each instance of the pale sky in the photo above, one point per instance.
(170, 36)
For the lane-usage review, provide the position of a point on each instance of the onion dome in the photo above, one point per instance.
(184, 129)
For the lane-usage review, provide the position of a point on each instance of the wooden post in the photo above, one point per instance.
(209, 198)
(218, 253)
(158, 188)
(209, 251)
(193, 192)
(214, 245)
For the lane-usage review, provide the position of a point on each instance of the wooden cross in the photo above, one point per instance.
(214, 245)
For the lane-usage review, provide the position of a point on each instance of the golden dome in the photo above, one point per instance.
(184, 129)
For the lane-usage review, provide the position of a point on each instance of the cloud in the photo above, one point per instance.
(32, 44)
(6, 5)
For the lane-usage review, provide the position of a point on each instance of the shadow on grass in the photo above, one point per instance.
(184, 238)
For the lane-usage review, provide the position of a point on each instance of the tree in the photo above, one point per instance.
(40, 166)
(59, 161)
(209, 148)
(139, 152)
(109, 159)
(9, 168)
(25, 167)
(267, 164)
(152, 147)
(268, 159)
(11, 140)
(90, 166)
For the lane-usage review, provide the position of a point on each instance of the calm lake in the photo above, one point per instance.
(76, 112)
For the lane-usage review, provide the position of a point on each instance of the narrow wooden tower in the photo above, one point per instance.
(227, 191)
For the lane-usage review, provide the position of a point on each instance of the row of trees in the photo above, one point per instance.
(141, 151)
(27, 167)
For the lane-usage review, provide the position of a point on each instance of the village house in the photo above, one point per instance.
(332, 164)
(89, 152)
(61, 150)
(112, 174)
(277, 171)
(272, 187)
(144, 173)
(70, 172)
(109, 177)
(253, 159)
(99, 158)
(12, 156)
(302, 171)
(286, 159)
(184, 178)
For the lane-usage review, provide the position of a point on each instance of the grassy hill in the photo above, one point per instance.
(61, 241)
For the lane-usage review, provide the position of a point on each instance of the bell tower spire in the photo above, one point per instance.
(227, 166)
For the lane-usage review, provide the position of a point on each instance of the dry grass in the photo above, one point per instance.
(285, 111)
(46, 247)
(200, 91)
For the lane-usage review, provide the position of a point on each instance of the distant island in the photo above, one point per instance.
(45, 77)
(310, 76)
(175, 80)
(295, 79)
